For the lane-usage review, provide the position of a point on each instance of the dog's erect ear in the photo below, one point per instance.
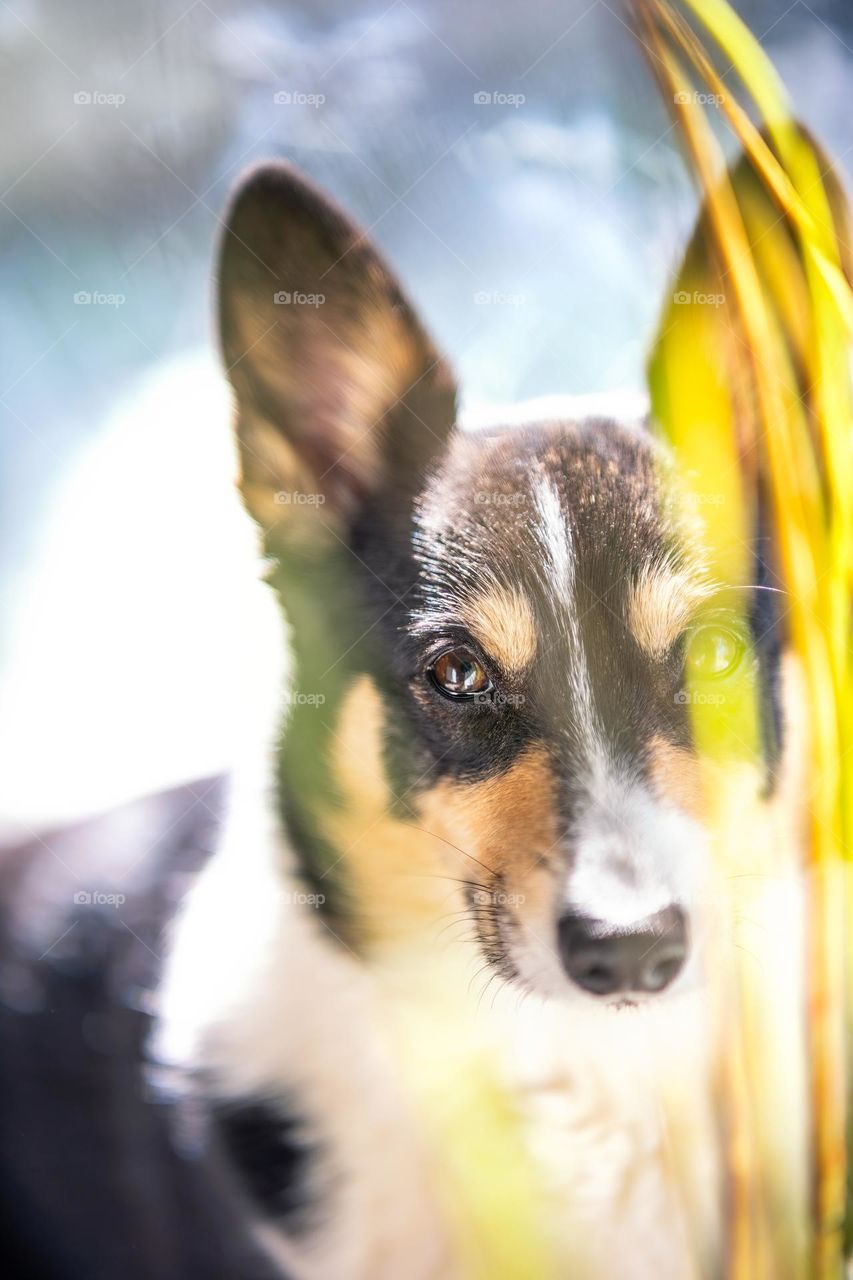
(340, 394)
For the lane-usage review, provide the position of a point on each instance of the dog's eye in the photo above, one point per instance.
(713, 651)
(459, 674)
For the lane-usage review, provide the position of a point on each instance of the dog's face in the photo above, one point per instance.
(493, 633)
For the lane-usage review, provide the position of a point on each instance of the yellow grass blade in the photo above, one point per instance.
(773, 241)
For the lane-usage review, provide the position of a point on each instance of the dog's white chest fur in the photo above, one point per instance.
(259, 993)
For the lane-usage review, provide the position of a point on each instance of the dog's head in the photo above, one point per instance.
(493, 632)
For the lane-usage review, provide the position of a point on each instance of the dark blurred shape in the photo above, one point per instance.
(94, 1183)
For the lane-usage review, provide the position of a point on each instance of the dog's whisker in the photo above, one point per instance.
(491, 870)
(756, 924)
(426, 875)
(482, 969)
(497, 992)
(462, 920)
(756, 875)
(749, 953)
(463, 939)
(494, 977)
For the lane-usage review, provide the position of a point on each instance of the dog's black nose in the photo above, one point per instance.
(645, 957)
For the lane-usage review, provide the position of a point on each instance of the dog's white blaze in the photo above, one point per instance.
(554, 535)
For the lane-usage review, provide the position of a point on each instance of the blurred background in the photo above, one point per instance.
(513, 162)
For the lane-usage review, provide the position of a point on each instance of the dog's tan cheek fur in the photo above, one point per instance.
(391, 868)
(676, 775)
(498, 833)
(511, 816)
(510, 825)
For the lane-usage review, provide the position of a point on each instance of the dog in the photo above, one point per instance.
(482, 767)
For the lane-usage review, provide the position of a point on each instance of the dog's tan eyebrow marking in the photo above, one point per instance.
(501, 620)
(661, 603)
